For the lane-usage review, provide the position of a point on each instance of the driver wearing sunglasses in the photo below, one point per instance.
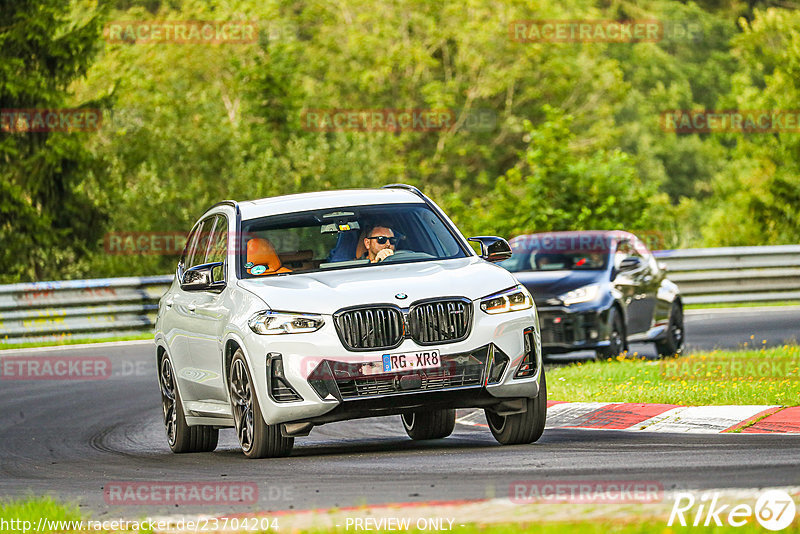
(380, 243)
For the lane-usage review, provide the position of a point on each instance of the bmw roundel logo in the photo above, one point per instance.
(401, 296)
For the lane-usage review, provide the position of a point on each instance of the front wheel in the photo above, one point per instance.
(616, 337)
(257, 439)
(436, 424)
(525, 427)
(180, 436)
(672, 344)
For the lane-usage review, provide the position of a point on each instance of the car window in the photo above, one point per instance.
(218, 246)
(552, 252)
(335, 239)
(199, 245)
(625, 249)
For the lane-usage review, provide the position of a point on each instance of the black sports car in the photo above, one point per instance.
(598, 290)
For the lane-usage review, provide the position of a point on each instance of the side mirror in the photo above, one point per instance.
(493, 248)
(201, 278)
(631, 263)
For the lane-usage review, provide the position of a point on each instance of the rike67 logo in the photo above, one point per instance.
(774, 510)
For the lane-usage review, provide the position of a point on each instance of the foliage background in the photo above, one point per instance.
(575, 141)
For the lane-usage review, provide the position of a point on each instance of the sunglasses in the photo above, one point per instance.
(382, 239)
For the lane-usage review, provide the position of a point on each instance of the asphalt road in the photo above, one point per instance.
(72, 438)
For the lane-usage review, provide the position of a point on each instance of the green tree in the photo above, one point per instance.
(559, 185)
(47, 222)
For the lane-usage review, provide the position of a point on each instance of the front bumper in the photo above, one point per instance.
(318, 380)
(565, 330)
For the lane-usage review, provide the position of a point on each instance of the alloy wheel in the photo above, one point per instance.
(168, 401)
(242, 401)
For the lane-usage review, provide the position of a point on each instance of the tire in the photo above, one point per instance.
(437, 424)
(257, 439)
(616, 337)
(180, 436)
(525, 427)
(672, 344)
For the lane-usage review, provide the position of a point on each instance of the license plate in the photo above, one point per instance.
(426, 359)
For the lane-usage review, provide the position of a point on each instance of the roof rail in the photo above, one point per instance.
(407, 188)
(231, 203)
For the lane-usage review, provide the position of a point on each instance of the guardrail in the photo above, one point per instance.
(105, 307)
(110, 307)
(735, 274)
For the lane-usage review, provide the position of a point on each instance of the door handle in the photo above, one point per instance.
(192, 307)
(168, 303)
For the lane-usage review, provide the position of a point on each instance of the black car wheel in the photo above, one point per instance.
(436, 424)
(180, 436)
(616, 337)
(525, 427)
(257, 439)
(672, 344)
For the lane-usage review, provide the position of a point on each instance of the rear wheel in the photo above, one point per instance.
(429, 425)
(257, 439)
(616, 337)
(672, 344)
(525, 427)
(180, 436)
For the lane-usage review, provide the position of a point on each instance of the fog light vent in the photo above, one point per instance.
(498, 363)
(279, 388)
(530, 363)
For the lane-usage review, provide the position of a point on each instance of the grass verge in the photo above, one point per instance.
(44, 514)
(764, 376)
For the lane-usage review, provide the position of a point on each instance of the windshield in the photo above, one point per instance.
(344, 238)
(563, 254)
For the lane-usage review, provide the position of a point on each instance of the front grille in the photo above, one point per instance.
(370, 328)
(440, 321)
(553, 329)
(382, 327)
(456, 371)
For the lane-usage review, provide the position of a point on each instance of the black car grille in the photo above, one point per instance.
(440, 321)
(383, 327)
(456, 371)
(370, 328)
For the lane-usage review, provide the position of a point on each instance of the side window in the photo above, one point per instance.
(199, 245)
(218, 246)
(187, 250)
(624, 249)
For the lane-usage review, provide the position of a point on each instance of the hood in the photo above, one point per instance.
(544, 285)
(327, 291)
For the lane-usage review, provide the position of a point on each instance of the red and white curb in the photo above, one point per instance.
(664, 418)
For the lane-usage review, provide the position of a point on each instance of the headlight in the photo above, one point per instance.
(271, 322)
(514, 299)
(581, 294)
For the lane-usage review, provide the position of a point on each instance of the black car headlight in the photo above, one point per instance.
(581, 294)
(515, 299)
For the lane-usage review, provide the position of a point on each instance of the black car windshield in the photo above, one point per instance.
(547, 257)
(344, 238)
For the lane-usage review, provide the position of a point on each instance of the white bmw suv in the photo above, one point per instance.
(295, 311)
